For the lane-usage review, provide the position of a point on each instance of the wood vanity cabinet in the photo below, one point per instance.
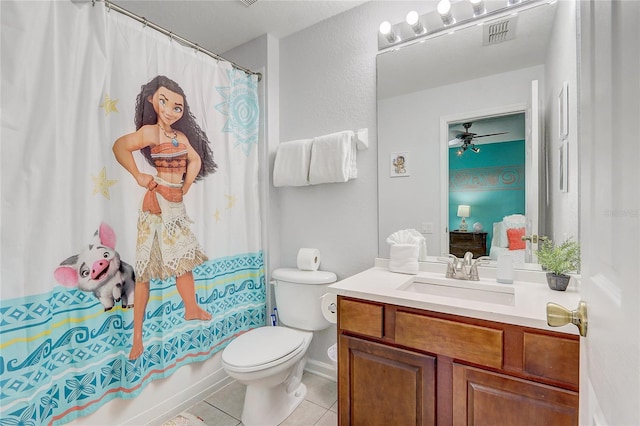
(405, 366)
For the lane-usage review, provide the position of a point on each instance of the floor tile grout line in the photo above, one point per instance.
(221, 410)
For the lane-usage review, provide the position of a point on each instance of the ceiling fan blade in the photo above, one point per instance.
(455, 142)
(490, 134)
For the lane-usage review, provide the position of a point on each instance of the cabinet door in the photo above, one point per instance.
(485, 398)
(382, 385)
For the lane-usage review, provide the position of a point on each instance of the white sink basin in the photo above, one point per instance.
(480, 291)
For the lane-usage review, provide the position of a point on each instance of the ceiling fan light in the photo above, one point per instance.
(475, 149)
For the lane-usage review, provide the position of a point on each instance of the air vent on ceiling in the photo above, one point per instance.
(499, 31)
(248, 2)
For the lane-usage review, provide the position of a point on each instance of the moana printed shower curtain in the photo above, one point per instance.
(71, 73)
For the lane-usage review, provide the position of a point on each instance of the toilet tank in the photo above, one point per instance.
(298, 296)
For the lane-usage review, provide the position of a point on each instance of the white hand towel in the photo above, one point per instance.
(404, 258)
(291, 167)
(420, 240)
(333, 158)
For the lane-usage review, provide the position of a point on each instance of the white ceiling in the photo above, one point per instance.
(221, 25)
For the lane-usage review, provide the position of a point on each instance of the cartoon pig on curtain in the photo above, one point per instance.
(98, 269)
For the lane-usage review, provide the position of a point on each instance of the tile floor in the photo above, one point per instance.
(320, 408)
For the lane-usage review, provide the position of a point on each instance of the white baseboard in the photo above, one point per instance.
(322, 369)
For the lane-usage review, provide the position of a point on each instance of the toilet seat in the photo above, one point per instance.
(277, 345)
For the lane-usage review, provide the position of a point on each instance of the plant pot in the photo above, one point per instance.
(558, 282)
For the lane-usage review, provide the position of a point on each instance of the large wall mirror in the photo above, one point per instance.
(476, 128)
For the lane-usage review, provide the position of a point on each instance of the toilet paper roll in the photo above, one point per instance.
(308, 259)
(329, 307)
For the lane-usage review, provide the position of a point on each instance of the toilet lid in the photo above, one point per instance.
(261, 346)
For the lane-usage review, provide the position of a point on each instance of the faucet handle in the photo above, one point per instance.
(473, 273)
(452, 266)
(482, 260)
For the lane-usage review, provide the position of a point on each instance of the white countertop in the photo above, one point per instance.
(527, 308)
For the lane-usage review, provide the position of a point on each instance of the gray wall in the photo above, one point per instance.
(319, 81)
(322, 80)
(328, 84)
(563, 208)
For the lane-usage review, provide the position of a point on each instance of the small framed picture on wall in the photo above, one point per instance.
(563, 111)
(399, 164)
(563, 166)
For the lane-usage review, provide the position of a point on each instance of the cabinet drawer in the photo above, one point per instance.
(552, 357)
(360, 317)
(480, 345)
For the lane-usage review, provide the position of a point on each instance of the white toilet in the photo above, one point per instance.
(270, 360)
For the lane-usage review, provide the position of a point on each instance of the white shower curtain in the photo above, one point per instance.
(70, 76)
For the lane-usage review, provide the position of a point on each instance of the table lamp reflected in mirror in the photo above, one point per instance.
(464, 211)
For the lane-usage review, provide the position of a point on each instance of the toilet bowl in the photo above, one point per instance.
(270, 360)
(273, 375)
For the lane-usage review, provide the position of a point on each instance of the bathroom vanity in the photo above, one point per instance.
(414, 352)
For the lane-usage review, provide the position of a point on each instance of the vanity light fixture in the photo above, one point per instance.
(388, 33)
(478, 7)
(413, 20)
(454, 15)
(444, 9)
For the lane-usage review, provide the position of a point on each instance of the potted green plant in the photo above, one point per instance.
(558, 260)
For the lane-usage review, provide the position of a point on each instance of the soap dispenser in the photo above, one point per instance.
(505, 269)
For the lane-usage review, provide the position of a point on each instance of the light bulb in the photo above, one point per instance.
(478, 7)
(413, 20)
(444, 9)
(387, 32)
(385, 28)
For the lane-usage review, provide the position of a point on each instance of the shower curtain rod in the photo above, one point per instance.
(172, 36)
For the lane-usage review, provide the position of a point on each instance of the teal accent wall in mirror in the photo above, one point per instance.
(491, 182)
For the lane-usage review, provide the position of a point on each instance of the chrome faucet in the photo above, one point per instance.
(465, 268)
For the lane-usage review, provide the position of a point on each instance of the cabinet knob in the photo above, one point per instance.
(558, 315)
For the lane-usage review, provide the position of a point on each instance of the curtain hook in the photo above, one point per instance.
(144, 22)
(171, 35)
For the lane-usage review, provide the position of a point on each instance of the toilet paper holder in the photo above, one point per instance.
(329, 307)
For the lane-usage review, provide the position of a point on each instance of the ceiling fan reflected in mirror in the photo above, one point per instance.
(465, 139)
